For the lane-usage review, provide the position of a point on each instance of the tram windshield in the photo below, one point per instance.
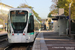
(18, 20)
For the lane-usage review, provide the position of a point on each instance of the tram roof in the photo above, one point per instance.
(27, 9)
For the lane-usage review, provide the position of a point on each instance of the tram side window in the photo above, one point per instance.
(8, 27)
(31, 24)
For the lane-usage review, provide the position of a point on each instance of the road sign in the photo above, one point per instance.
(5, 23)
(67, 17)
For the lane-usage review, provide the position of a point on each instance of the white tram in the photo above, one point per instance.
(20, 25)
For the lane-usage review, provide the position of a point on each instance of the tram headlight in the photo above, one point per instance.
(12, 33)
(23, 33)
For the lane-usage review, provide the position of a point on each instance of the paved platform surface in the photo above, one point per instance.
(52, 41)
(3, 32)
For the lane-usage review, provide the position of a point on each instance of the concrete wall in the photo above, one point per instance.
(55, 26)
(62, 26)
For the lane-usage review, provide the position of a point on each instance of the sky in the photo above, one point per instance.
(42, 7)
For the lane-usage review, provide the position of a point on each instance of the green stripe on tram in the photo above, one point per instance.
(31, 33)
(30, 14)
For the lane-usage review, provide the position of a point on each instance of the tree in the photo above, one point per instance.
(54, 5)
(73, 10)
(49, 15)
(37, 16)
(52, 12)
(63, 4)
(26, 6)
(53, 8)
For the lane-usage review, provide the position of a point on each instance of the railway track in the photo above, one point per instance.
(20, 46)
(3, 37)
(3, 41)
(17, 46)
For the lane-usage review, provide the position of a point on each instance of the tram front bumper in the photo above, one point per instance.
(21, 39)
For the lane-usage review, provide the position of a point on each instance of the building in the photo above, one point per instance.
(4, 9)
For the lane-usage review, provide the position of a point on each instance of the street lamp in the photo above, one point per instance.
(70, 18)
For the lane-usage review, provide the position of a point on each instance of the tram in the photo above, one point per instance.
(20, 26)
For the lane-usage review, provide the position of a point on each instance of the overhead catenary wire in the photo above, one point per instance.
(26, 2)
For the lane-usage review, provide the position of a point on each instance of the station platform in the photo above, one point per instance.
(52, 41)
(3, 32)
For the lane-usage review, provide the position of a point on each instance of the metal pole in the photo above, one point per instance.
(70, 19)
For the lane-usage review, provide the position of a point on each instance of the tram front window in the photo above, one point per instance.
(18, 20)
